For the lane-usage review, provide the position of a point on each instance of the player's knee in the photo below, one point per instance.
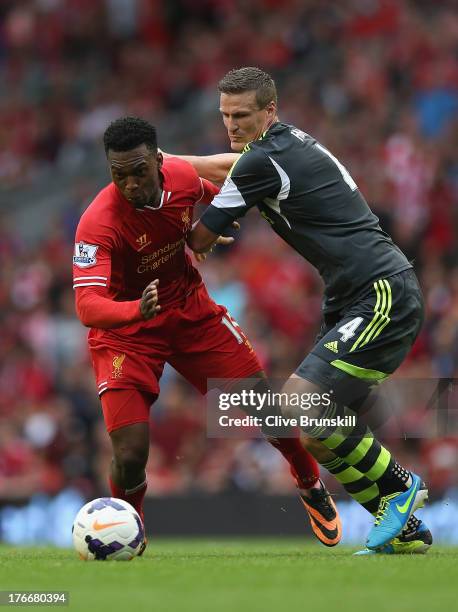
(131, 460)
(289, 412)
(301, 397)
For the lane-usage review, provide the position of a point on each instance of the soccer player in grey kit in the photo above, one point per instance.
(372, 308)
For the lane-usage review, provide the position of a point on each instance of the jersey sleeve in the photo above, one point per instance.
(184, 177)
(94, 247)
(207, 191)
(253, 177)
(203, 190)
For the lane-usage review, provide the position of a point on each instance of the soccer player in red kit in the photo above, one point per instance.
(146, 305)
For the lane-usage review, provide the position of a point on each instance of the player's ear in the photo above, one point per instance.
(271, 109)
(159, 158)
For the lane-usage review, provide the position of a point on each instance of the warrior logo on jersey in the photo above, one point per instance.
(85, 255)
(142, 241)
(117, 365)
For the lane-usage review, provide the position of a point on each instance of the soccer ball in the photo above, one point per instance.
(108, 528)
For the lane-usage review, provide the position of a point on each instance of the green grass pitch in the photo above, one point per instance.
(239, 575)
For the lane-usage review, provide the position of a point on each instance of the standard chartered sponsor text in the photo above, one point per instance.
(154, 260)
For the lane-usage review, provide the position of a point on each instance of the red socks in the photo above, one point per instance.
(303, 466)
(133, 496)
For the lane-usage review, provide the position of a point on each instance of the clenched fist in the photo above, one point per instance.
(148, 304)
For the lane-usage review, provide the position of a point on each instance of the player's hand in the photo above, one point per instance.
(224, 240)
(148, 304)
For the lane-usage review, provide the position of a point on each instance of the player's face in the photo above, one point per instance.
(243, 119)
(136, 174)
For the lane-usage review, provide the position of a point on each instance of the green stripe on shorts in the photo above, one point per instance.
(380, 319)
(357, 372)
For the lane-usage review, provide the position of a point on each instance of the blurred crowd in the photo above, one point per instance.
(376, 81)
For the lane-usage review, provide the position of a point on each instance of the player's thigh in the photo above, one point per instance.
(123, 408)
(370, 341)
(219, 368)
(223, 354)
(210, 344)
(128, 368)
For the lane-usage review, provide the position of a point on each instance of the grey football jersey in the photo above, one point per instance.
(312, 202)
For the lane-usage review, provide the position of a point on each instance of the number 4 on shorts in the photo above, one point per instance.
(348, 330)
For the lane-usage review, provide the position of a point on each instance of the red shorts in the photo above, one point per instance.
(199, 339)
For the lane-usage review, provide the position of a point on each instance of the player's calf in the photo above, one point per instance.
(130, 455)
(317, 449)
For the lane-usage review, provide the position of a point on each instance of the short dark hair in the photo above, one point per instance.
(250, 78)
(127, 133)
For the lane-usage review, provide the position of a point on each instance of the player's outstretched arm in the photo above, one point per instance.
(211, 167)
(201, 240)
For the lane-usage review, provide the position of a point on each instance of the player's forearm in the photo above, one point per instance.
(200, 239)
(94, 310)
(212, 167)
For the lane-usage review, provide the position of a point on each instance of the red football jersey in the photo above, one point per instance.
(120, 249)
